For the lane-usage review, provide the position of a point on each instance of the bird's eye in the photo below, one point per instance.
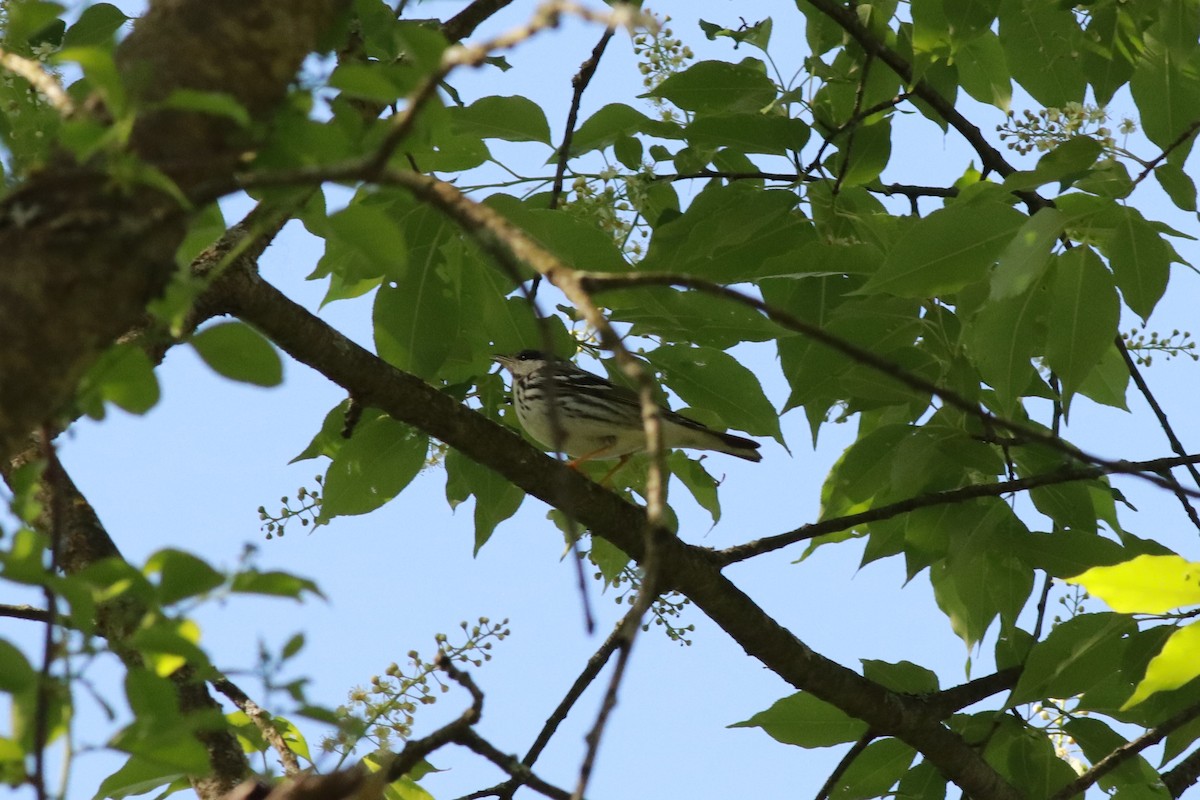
(526, 355)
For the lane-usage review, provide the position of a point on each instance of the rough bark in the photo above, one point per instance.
(82, 252)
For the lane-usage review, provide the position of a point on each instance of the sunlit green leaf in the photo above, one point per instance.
(1177, 664)
(1147, 584)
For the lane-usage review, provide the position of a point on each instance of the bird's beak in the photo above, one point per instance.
(504, 361)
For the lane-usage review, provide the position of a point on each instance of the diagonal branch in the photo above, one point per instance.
(1164, 423)
(579, 83)
(688, 569)
(602, 281)
(1126, 752)
(767, 544)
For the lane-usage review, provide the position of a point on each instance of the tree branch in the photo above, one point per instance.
(40, 79)
(58, 312)
(1163, 422)
(579, 83)
(1183, 775)
(767, 544)
(687, 569)
(464, 23)
(854, 752)
(261, 720)
(1126, 752)
(595, 282)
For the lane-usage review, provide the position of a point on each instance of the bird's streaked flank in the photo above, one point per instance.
(596, 419)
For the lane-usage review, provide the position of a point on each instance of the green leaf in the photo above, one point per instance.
(578, 242)
(1097, 740)
(749, 133)
(628, 151)
(1027, 758)
(983, 70)
(731, 233)
(713, 380)
(758, 34)
(876, 770)
(949, 249)
(608, 558)
(416, 320)
(380, 459)
(922, 782)
(1166, 89)
(138, 776)
(1109, 50)
(1145, 585)
(220, 104)
(1176, 664)
(803, 720)
(1084, 318)
(1109, 381)
(239, 352)
(695, 477)
(1177, 184)
(363, 241)
(1140, 261)
(1003, 338)
(95, 26)
(374, 81)
(689, 317)
(16, 673)
(273, 584)
(181, 575)
(1065, 553)
(862, 161)
(1073, 658)
(124, 376)
(513, 119)
(1065, 163)
(904, 676)
(1042, 42)
(496, 499)
(981, 578)
(612, 122)
(1025, 258)
(709, 87)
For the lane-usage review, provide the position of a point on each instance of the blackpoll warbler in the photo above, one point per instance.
(597, 419)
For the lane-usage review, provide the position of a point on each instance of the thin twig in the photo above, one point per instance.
(1178, 142)
(262, 721)
(40, 79)
(602, 281)
(843, 765)
(628, 632)
(589, 673)
(520, 773)
(1164, 423)
(546, 16)
(27, 612)
(860, 90)
(962, 494)
(1126, 752)
(578, 84)
(415, 750)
